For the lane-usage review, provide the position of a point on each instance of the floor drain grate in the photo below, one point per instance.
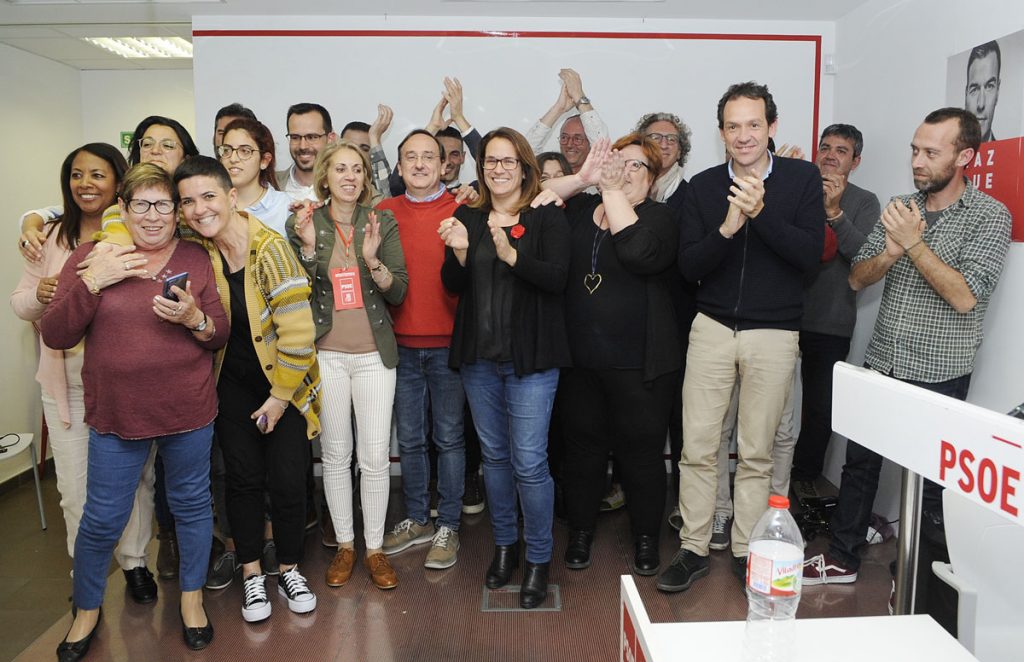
(506, 598)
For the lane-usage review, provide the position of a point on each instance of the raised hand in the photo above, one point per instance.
(453, 234)
(613, 172)
(502, 248)
(748, 194)
(380, 124)
(590, 171)
(371, 239)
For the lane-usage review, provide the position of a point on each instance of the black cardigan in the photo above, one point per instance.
(539, 340)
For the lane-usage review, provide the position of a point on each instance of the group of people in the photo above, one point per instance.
(204, 320)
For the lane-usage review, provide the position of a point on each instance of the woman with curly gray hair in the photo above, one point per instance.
(673, 137)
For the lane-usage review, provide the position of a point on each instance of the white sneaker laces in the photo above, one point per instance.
(442, 538)
(295, 583)
(255, 590)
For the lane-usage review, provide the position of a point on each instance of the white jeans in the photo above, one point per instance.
(362, 383)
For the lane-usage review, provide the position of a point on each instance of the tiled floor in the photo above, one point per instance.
(432, 615)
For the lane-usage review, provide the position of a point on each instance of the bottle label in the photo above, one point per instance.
(776, 576)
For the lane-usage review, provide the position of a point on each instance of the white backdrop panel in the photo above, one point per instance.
(626, 67)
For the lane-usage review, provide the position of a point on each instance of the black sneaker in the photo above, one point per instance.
(686, 567)
(255, 606)
(268, 560)
(222, 571)
(739, 568)
(473, 501)
(292, 585)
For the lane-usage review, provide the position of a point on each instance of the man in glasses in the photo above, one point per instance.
(423, 327)
(578, 131)
(309, 131)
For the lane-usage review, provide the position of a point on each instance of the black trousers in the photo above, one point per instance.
(615, 411)
(819, 353)
(276, 463)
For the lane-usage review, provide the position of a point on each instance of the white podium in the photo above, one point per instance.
(818, 639)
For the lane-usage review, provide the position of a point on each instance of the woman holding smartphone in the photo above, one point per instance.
(169, 349)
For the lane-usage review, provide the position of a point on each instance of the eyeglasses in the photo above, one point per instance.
(308, 137)
(413, 157)
(245, 152)
(142, 206)
(507, 163)
(576, 139)
(147, 144)
(670, 138)
(634, 165)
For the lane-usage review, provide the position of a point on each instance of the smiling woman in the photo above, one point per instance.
(625, 350)
(247, 151)
(171, 345)
(508, 263)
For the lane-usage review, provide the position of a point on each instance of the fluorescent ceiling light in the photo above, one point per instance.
(144, 47)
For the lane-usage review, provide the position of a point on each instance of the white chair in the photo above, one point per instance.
(985, 552)
(9, 451)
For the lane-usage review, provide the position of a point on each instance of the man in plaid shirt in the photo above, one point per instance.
(941, 251)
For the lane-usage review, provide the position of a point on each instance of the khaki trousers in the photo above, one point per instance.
(763, 361)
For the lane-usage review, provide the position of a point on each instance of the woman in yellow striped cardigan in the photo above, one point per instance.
(268, 383)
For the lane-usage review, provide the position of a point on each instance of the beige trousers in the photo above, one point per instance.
(763, 361)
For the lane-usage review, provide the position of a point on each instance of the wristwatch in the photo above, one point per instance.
(202, 325)
(584, 99)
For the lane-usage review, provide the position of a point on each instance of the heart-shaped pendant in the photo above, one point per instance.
(592, 282)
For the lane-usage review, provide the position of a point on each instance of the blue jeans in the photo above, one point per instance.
(859, 485)
(425, 380)
(115, 466)
(512, 415)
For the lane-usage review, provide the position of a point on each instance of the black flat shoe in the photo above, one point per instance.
(577, 553)
(646, 560)
(140, 584)
(72, 651)
(506, 560)
(534, 590)
(197, 638)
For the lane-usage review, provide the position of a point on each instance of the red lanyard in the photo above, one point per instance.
(347, 241)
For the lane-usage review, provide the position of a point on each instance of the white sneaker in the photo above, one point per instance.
(292, 585)
(255, 606)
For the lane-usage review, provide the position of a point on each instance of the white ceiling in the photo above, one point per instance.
(52, 28)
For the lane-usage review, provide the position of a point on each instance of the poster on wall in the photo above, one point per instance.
(988, 80)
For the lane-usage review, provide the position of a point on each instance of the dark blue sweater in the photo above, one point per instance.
(755, 279)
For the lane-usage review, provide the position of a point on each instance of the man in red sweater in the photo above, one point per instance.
(423, 328)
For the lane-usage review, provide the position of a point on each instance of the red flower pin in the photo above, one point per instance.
(517, 231)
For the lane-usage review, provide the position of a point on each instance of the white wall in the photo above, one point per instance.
(115, 101)
(42, 122)
(892, 72)
(55, 110)
(510, 81)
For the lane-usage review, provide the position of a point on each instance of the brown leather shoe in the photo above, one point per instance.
(381, 572)
(340, 570)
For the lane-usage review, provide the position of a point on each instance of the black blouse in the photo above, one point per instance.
(628, 320)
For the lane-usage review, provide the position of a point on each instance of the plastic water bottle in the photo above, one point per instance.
(774, 571)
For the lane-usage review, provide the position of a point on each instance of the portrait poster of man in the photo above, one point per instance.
(988, 80)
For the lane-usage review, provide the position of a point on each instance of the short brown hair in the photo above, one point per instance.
(530, 186)
(143, 176)
(323, 159)
(651, 151)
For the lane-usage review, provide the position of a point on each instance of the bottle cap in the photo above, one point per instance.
(776, 501)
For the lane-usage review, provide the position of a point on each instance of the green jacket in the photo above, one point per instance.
(375, 302)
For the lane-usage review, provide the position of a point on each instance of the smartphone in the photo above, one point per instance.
(261, 423)
(180, 280)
